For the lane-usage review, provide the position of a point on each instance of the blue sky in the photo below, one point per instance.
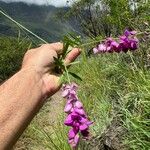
(57, 3)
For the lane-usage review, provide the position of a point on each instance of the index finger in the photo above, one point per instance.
(58, 47)
(72, 55)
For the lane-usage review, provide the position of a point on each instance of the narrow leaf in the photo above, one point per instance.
(75, 76)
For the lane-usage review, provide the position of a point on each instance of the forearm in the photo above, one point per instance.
(20, 98)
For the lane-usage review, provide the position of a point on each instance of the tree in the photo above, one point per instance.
(107, 17)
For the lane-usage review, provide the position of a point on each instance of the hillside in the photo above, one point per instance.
(39, 19)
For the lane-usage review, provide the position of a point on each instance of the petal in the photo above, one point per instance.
(78, 104)
(133, 46)
(65, 93)
(127, 33)
(79, 111)
(115, 44)
(76, 139)
(83, 120)
(68, 107)
(72, 133)
(83, 127)
(102, 48)
(123, 37)
(133, 32)
(95, 50)
(109, 49)
(76, 125)
(89, 123)
(75, 116)
(68, 121)
(74, 142)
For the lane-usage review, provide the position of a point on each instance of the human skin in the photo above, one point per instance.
(22, 96)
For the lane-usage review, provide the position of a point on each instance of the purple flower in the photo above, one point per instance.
(127, 41)
(128, 33)
(79, 111)
(134, 44)
(68, 107)
(69, 90)
(72, 133)
(124, 44)
(68, 121)
(102, 48)
(77, 118)
(95, 50)
(111, 45)
(114, 46)
(78, 104)
(83, 127)
(74, 141)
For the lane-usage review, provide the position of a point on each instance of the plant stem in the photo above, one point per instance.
(93, 42)
(66, 70)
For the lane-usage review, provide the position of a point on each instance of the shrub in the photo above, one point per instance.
(11, 54)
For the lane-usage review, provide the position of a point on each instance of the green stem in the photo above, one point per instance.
(66, 70)
(93, 42)
(74, 63)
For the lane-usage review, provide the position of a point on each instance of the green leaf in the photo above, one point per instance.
(75, 76)
(59, 63)
(66, 46)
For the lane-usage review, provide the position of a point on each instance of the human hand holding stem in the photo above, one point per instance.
(42, 60)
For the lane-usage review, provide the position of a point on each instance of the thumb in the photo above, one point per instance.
(51, 83)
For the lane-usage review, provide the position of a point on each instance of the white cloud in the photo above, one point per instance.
(57, 3)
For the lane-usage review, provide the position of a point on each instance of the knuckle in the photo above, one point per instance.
(45, 46)
(28, 53)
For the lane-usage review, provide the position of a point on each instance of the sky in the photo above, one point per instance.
(57, 3)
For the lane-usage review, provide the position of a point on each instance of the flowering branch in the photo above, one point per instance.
(126, 42)
(77, 118)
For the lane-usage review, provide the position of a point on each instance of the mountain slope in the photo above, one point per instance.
(39, 19)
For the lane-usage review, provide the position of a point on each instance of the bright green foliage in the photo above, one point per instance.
(109, 17)
(11, 55)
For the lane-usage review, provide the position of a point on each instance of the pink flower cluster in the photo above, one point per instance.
(77, 118)
(128, 41)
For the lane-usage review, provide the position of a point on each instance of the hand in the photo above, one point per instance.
(41, 60)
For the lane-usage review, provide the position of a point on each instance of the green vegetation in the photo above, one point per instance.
(11, 54)
(115, 90)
